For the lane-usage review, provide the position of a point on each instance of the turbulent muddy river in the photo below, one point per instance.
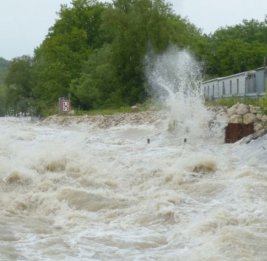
(155, 185)
(80, 191)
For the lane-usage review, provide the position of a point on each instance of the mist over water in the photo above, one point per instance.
(93, 188)
(174, 78)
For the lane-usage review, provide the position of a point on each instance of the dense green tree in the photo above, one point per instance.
(2, 100)
(139, 26)
(95, 53)
(68, 44)
(249, 31)
(128, 28)
(98, 84)
(114, 75)
(237, 48)
(19, 75)
(19, 82)
(3, 71)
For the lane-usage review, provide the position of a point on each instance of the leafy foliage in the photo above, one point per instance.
(3, 71)
(97, 85)
(95, 53)
(19, 82)
(60, 57)
(133, 27)
(237, 48)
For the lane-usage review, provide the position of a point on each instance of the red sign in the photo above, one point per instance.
(64, 105)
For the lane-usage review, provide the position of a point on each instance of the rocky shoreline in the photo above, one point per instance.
(107, 121)
(244, 114)
(238, 113)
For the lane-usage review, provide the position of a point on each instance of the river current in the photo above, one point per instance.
(142, 186)
(81, 192)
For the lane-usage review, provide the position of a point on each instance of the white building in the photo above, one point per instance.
(250, 83)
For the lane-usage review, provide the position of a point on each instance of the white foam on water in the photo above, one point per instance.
(174, 78)
(75, 193)
(81, 192)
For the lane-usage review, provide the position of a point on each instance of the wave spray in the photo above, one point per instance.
(175, 78)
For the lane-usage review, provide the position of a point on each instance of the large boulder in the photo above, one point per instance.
(264, 118)
(232, 110)
(236, 119)
(242, 109)
(259, 116)
(249, 118)
(258, 126)
(254, 109)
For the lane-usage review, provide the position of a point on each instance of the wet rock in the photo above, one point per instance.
(242, 109)
(259, 116)
(258, 126)
(254, 109)
(106, 121)
(249, 118)
(231, 111)
(254, 136)
(264, 118)
(245, 115)
(236, 119)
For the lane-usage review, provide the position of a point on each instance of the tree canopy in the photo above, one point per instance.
(3, 72)
(95, 53)
(3, 69)
(237, 48)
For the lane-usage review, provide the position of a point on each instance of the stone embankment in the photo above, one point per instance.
(239, 114)
(245, 114)
(106, 121)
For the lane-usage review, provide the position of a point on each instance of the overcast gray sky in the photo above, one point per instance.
(25, 23)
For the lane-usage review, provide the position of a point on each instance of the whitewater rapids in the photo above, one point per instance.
(79, 190)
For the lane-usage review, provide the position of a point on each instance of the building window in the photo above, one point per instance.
(223, 88)
(230, 87)
(237, 86)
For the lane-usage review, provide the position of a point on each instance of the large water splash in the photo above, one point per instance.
(175, 78)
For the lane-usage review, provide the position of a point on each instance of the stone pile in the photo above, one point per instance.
(242, 114)
(106, 121)
(248, 114)
(238, 113)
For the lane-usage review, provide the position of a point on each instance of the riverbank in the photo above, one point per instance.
(239, 113)
(106, 121)
(76, 192)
